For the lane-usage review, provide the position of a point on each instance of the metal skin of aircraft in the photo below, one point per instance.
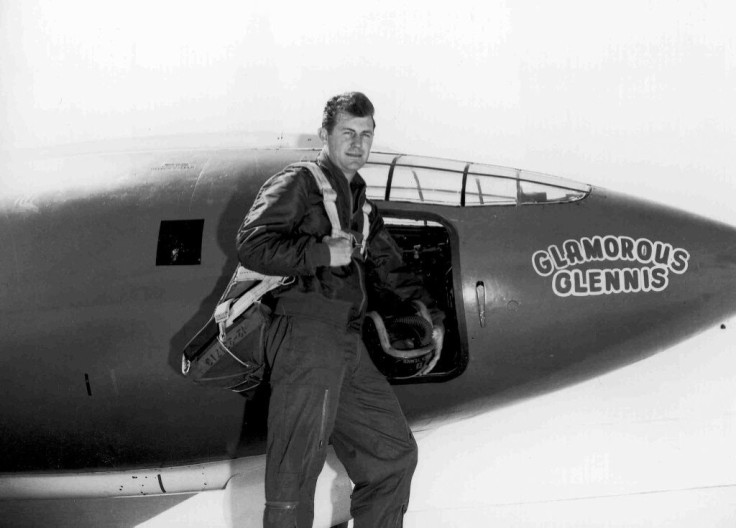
(112, 261)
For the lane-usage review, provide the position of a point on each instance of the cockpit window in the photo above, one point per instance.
(425, 185)
(445, 182)
(486, 189)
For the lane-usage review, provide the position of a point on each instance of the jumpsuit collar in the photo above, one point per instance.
(324, 160)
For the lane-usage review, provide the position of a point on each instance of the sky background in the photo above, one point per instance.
(632, 95)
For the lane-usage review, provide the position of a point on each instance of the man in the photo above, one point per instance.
(323, 384)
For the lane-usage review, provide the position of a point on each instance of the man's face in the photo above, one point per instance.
(349, 143)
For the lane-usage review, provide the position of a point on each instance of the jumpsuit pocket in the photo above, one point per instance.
(299, 424)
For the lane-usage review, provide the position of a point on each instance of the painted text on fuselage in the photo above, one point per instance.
(655, 261)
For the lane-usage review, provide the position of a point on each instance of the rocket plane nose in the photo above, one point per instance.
(709, 282)
(680, 266)
(608, 281)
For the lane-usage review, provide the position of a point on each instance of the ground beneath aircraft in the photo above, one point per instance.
(713, 507)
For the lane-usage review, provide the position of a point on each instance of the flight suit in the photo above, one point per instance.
(324, 386)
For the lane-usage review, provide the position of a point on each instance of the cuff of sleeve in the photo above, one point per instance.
(318, 255)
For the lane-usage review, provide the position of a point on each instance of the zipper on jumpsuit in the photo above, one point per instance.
(323, 423)
(351, 213)
(359, 268)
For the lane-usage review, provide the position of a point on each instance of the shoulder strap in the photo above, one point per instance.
(366, 226)
(329, 196)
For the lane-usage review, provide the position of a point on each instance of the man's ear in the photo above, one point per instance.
(322, 133)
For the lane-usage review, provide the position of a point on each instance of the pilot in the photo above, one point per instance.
(324, 386)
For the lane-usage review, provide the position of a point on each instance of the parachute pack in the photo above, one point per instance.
(228, 352)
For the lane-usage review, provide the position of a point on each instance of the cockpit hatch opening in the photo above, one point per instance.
(426, 249)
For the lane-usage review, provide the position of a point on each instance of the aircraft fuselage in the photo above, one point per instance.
(113, 262)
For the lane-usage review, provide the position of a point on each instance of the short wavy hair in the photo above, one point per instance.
(354, 103)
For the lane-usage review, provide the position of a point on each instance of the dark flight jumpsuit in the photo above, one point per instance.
(324, 386)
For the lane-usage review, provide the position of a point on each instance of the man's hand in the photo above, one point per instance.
(341, 251)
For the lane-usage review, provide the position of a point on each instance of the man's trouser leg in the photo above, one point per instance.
(374, 442)
(307, 372)
(324, 383)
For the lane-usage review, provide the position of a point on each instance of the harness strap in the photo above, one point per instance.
(329, 196)
(244, 274)
(227, 311)
(366, 227)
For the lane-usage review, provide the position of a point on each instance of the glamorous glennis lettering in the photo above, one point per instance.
(647, 265)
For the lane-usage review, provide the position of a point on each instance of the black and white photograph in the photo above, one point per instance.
(367, 265)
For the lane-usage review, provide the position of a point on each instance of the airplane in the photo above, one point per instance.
(115, 257)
